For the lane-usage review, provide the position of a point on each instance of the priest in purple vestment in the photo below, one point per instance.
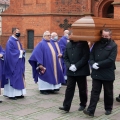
(45, 66)
(63, 42)
(57, 48)
(2, 52)
(14, 68)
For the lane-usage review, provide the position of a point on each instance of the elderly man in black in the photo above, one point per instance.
(102, 60)
(76, 59)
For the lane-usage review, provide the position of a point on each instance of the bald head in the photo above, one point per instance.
(54, 36)
(66, 32)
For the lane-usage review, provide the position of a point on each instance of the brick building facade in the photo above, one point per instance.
(33, 17)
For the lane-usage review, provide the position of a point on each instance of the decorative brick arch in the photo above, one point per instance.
(101, 6)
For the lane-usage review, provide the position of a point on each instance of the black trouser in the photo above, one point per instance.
(95, 93)
(82, 85)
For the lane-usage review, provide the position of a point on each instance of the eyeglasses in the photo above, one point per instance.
(48, 35)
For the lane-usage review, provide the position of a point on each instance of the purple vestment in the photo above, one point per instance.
(61, 59)
(63, 43)
(42, 54)
(2, 77)
(14, 66)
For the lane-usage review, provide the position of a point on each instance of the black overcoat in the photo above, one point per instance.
(105, 56)
(77, 53)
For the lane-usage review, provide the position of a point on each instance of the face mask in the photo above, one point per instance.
(56, 38)
(66, 35)
(104, 40)
(17, 34)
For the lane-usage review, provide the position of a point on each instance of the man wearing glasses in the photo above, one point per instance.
(46, 68)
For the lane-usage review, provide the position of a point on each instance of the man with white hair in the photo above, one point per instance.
(45, 66)
(63, 42)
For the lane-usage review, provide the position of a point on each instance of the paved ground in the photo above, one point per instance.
(45, 107)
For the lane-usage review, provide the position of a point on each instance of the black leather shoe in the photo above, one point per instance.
(108, 112)
(0, 101)
(63, 108)
(118, 98)
(64, 84)
(44, 92)
(51, 91)
(88, 113)
(20, 97)
(12, 98)
(81, 108)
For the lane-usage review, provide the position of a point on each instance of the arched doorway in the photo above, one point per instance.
(104, 8)
(108, 10)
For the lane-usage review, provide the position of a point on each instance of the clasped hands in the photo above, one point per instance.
(72, 68)
(42, 69)
(95, 66)
(1, 55)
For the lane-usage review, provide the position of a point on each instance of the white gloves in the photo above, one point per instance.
(72, 68)
(95, 66)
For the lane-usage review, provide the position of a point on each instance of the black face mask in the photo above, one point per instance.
(104, 40)
(17, 34)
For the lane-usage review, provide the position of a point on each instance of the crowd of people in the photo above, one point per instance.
(57, 62)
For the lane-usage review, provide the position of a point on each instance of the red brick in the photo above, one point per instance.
(42, 15)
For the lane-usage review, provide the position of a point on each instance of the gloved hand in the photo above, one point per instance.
(95, 66)
(72, 68)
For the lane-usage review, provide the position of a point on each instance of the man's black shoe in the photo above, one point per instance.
(0, 101)
(64, 84)
(108, 112)
(20, 97)
(81, 108)
(63, 108)
(88, 113)
(12, 98)
(44, 92)
(51, 91)
(118, 98)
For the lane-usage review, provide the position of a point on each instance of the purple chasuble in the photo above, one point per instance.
(63, 42)
(43, 55)
(2, 77)
(14, 66)
(57, 52)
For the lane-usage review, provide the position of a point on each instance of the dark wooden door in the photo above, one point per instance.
(30, 37)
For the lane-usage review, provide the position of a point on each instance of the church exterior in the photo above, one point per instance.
(33, 17)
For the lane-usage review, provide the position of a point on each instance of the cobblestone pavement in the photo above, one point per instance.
(45, 107)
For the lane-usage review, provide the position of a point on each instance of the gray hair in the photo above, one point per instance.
(107, 30)
(45, 33)
(53, 33)
(14, 29)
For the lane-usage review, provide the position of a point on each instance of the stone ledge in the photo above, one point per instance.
(116, 3)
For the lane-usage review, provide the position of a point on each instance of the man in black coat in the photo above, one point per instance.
(76, 59)
(102, 60)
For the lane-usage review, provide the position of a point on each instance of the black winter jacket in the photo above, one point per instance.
(105, 56)
(77, 53)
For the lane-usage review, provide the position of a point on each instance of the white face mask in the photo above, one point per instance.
(66, 35)
(56, 38)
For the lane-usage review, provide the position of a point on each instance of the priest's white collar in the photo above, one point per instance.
(14, 37)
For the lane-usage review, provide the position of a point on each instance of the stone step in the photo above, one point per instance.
(29, 50)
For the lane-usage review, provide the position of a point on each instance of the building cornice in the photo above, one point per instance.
(47, 14)
(116, 3)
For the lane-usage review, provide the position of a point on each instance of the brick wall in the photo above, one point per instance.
(117, 16)
(42, 15)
